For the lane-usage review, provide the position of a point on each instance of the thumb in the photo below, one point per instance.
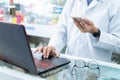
(56, 54)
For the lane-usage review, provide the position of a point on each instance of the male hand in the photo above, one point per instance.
(85, 25)
(47, 51)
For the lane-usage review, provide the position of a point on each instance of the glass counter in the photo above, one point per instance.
(80, 69)
(87, 69)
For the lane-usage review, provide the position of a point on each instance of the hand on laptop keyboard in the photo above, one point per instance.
(47, 51)
(39, 55)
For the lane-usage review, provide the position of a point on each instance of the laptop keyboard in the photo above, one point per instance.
(43, 63)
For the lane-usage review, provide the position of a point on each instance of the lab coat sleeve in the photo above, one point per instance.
(58, 40)
(111, 40)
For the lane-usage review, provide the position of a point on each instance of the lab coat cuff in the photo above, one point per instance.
(104, 41)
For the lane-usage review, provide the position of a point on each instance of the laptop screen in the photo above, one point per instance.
(14, 46)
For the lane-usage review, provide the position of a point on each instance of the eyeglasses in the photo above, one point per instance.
(93, 65)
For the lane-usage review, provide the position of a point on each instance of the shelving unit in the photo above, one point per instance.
(40, 30)
(40, 17)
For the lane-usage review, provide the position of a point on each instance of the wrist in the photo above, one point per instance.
(94, 30)
(96, 33)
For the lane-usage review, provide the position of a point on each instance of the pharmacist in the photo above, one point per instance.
(89, 29)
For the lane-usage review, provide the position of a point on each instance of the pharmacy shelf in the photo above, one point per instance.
(39, 30)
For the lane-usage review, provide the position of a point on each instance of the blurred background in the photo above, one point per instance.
(37, 16)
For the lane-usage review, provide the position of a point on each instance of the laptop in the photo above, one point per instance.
(15, 49)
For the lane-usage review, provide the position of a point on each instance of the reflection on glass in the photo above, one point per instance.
(85, 71)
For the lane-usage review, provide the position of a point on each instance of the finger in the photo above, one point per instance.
(78, 24)
(79, 19)
(38, 50)
(45, 52)
(84, 25)
(76, 21)
(41, 49)
(90, 24)
(56, 54)
(48, 51)
(87, 21)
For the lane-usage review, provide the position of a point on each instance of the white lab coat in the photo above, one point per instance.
(106, 16)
